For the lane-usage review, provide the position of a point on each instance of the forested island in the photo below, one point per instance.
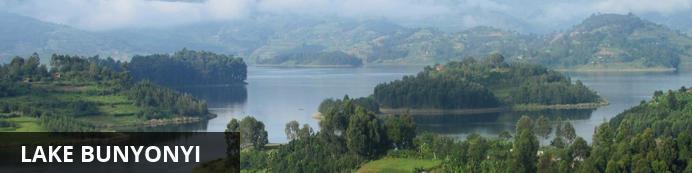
(490, 83)
(651, 137)
(188, 67)
(86, 94)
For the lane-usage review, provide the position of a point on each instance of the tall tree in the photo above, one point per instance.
(292, 129)
(525, 147)
(543, 127)
(364, 135)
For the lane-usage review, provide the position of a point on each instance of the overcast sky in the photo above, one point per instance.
(116, 14)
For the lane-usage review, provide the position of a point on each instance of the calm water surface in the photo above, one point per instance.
(279, 95)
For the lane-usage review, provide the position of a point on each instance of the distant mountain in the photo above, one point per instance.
(601, 41)
(614, 41)
(23, 35)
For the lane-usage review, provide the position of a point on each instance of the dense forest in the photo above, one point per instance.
(651, 137)
(188, 67)
(84, 94)
(488, 83)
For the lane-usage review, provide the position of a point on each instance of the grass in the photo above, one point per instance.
(114, 109)
(23, 124)
(397, 165)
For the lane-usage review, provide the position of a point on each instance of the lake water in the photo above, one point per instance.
(279, 95)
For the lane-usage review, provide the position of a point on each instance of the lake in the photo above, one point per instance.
(278, 95)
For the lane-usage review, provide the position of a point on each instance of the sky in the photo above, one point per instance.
(106, 15)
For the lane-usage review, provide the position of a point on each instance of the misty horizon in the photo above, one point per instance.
(449, 15)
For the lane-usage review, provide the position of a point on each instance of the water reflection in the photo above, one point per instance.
(491, 124)
(218, 95)
(189, 127)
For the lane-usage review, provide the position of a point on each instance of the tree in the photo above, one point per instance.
(543, 127)
(602, 143)
(364, 135)
(505, 135)
(292, 129)
(579, 150)
(401, 130)
(252, 133)
(232, 144)
(305, 132)
(568, 132)
(672, 100)
(525, 147)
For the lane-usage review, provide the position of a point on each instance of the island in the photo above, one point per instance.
(490, 85)
(87, 94)
(188, 67)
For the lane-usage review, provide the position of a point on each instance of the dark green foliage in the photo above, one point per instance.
(650, 137)
(349, 135)
(553, 93)
(84, 70)
(313, 154)
(188, 67)
(233, 147)
(61, 123)
(525, 147)
(401, 130)
(27, 70)
(366, 102)
(491, 83)
(314, 58)
(159, 102)
(365, 135)
(543, 127)
(15, 76)
(427, 92)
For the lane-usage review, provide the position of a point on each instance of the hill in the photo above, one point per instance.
(23, 35)
(600, 42)
(614, 41)
(86, 94)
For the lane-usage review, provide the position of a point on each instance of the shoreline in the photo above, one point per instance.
(433, 111)
(535, 107)
(522, 107)
(306, 66)
(596, 70)
(166, 121)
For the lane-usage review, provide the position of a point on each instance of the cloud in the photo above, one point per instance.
(115, 14)
(643, 6)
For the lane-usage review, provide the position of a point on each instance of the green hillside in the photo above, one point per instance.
(614, 41)
(79, 94)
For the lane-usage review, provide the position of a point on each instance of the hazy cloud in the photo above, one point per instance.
(113, 14)
(643, 6)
